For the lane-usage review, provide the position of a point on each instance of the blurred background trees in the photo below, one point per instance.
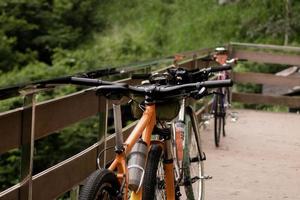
(44, 38)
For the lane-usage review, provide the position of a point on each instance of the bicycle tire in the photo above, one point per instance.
(192, 163)
(101, 185)
(153, 188)
(219, 125)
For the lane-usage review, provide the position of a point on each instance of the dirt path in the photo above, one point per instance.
(258, 159)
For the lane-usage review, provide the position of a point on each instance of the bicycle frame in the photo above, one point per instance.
(144, 130)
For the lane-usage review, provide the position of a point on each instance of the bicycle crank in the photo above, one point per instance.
(194, 180)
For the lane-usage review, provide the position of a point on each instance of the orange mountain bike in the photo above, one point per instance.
(144, 166)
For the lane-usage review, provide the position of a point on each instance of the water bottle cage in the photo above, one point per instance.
(143, 173)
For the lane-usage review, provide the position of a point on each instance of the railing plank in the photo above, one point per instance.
(51, 116)
(265, 46)
(10, 131)
(12, 193)
(267, 57)
(252, 98)
(57, 114)
(62, 177)
(262, 78)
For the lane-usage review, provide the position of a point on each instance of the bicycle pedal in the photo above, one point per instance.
(195, 179)
(206, 177)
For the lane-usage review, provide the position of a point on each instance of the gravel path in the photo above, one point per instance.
(258, 159)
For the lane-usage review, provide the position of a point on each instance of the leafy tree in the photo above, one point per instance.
(32, 29)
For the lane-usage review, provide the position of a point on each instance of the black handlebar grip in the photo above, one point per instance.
(221, 68)
(115, 89)
(85, 81)
(217, 83)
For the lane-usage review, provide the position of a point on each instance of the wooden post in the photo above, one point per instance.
(27, 145)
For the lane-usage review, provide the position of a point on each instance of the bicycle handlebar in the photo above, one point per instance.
(204, 73)
(91, 82)
(221, 68)
(159, 90)
(180, 75)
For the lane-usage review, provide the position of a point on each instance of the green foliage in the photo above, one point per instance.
(32, 29)
(9, 168)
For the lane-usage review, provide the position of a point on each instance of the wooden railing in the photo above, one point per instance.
(269, 54)
(20, 127)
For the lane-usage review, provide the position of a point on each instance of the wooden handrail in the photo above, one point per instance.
(267, 57)
(265, 46)
(263, 78)
(251, 98)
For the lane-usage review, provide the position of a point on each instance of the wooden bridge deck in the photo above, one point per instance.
(258, 159)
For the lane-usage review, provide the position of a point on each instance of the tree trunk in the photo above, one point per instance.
(288, 15)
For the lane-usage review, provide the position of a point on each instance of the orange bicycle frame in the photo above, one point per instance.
(144, 130)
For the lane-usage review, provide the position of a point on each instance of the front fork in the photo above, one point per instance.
(178, 135)
(169, 168)
(180, 138)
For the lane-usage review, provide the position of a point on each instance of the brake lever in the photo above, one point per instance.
(235, 60)
(231, 61)
(200, 94)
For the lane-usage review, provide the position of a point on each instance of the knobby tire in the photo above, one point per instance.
(101, 185)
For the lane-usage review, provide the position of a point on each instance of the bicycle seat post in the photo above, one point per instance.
(118, 127)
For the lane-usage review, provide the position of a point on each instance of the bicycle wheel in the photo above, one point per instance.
(193, 168)
(101, 185)
(219, 118)
(154, 185)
